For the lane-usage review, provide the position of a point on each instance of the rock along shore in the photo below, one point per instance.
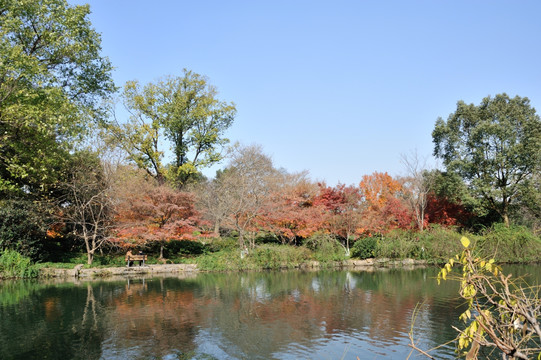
(175, 269)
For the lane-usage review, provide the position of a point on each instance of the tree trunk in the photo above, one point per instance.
(505, 212)
(505, 217)
(89, 249)
(217, 228)
(241, 238)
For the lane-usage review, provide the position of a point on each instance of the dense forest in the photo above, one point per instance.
(75, 177)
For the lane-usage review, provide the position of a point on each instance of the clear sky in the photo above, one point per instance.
(338, 88)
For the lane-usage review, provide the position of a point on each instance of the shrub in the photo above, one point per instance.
(225, 243)
(509, 244)
(365, 248)
(224, 260)
(267, 256)
(267, 238)
(439, 243)
(184, 247)
(107, 260)
(15, 265)
(325, 248)
(279, 256)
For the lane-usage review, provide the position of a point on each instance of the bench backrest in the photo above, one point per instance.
(136, 257)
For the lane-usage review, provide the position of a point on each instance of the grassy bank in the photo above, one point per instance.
(513, 244)
(435, 245)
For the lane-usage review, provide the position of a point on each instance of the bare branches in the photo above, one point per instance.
(418, 186)
(503, 312)
(87, 206)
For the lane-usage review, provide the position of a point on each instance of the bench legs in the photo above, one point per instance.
(130, 262)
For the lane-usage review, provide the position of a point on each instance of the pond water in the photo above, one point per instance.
(260, 315)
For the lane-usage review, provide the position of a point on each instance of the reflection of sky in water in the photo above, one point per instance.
(261, 292)
(342, 346)
(296, 295)
(315, 284)
(351, 281)
(215, 345)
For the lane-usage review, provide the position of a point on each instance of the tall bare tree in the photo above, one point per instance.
(212, 200)
(87, 204)
(417, 184)
(248, 182)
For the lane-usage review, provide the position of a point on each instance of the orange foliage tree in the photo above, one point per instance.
(343, 206)
(385, 209)
(291, 213)
(151, 213)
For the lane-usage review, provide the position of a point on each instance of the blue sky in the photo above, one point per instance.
(339, 88)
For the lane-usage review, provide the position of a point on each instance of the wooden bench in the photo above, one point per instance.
(140, 258)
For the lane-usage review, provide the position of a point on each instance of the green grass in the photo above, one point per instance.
(267, 256)
(437, 244)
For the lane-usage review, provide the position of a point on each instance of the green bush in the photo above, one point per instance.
(270, 256)
(225, 243)
(325, 248)
(267, 256)
(267, 238)
(225, 260)
(439, 243)
(398, 244)
(509, 244)
(106, 260)
(15, 265)
(183, 248)
(365, 248)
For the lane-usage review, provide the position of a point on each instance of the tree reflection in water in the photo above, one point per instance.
(50, 322)
(280, 315)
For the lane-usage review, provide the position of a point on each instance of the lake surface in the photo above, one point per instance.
(260, 315)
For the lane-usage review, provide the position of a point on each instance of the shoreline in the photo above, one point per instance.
(174, 269)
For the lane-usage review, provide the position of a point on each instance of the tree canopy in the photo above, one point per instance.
(184, 110)
(52, 77)
(495, 147)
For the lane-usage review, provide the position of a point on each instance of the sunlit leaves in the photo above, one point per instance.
(465, 242)
(52, 79)
(500, 313)
(183, 110)
(385, 208)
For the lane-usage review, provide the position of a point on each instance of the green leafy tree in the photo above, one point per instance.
(495, 147)
(528, 211)
(22, 229)
(185, 111)
(52, 78)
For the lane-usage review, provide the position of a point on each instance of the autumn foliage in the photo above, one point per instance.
(289, 207)
(151, 212)
(385, 209)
